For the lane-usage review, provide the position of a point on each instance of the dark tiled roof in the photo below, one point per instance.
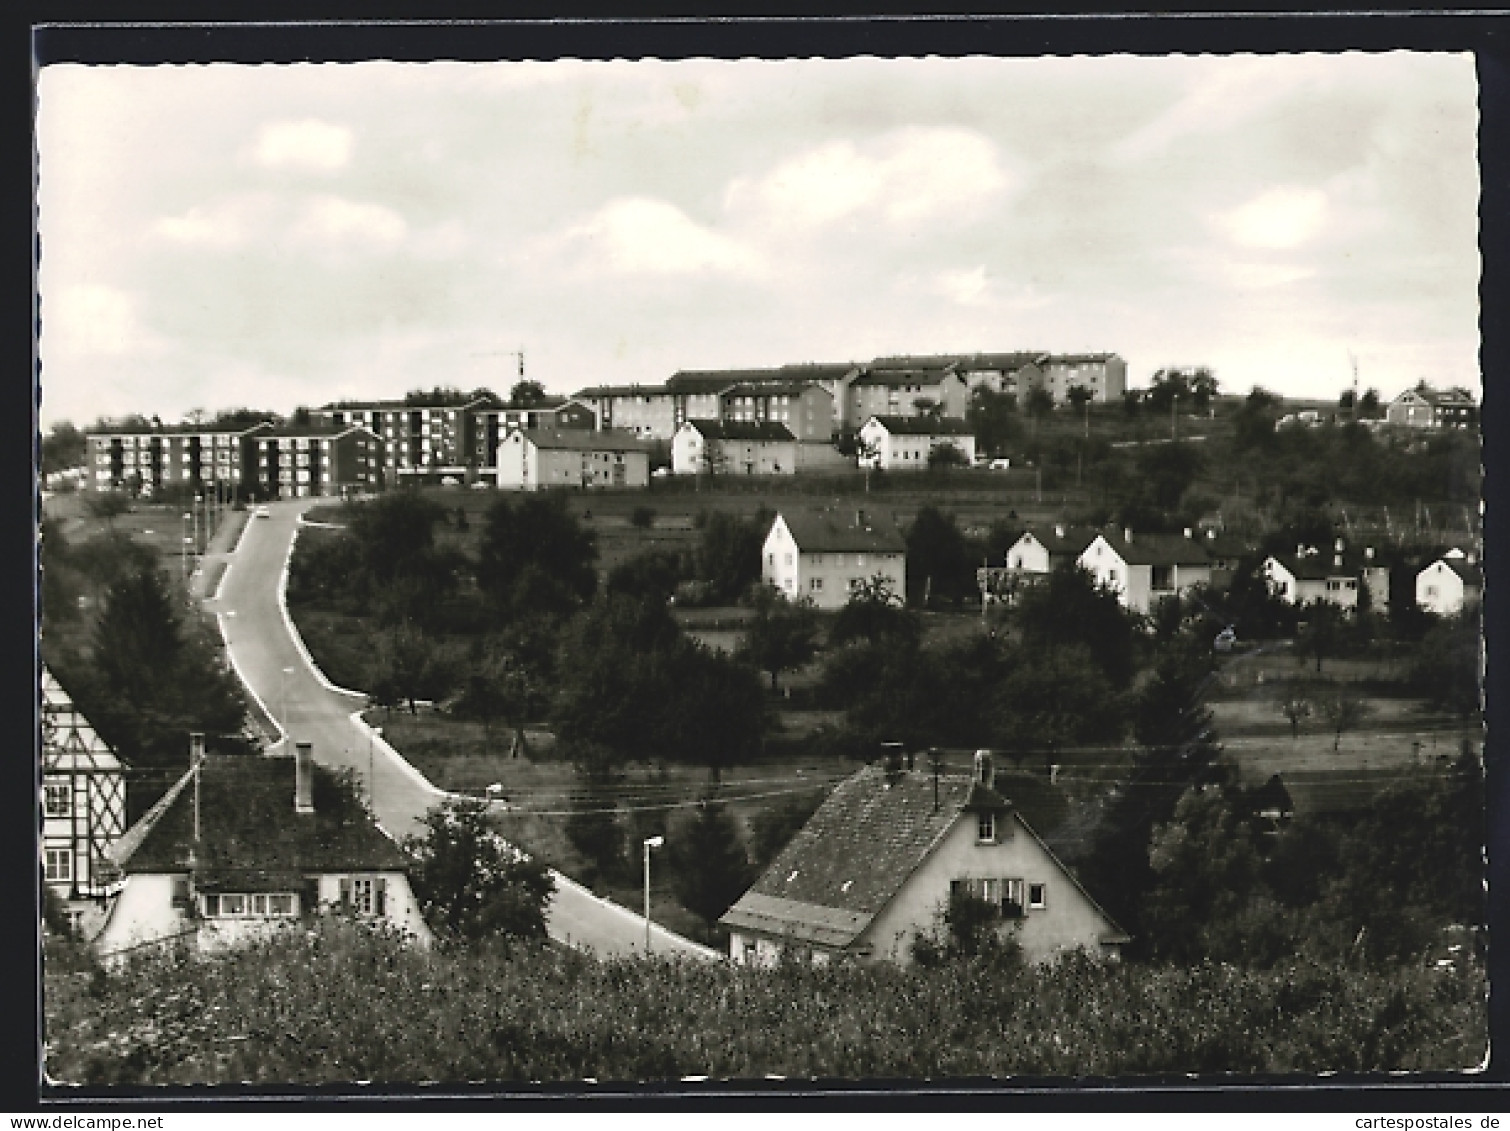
(622, 391)
(915, 363)
(717, 380)
(328, 431)
(820, 370)
(784, 388)
(847, 531)
(1078, 358)
(766, 431)
(250, 837)
(1004, 361)
(928, 376)
(1157, 549)
(922, 426)
(183, 430)
(1227, 546)
(864, 841)
(1073, 542)
(582, 440)
(1322, 564)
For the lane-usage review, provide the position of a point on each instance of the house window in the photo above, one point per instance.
(180, 892)
(58, 799)
(1111, 576)
(817, 584)
(58, 864)
(1038, 896)
(986, 828)
(366, 895)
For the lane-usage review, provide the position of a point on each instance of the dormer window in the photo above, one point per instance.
(986, 828)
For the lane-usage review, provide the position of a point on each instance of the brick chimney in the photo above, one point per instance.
(983, 772)
(1058, 530)
(1127, 535)
(1189, 533)
(304, 778)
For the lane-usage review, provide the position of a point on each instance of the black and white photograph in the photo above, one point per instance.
(687, 571)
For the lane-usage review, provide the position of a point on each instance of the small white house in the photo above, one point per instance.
(531, 459)
(1337, 578)
(734, 447)
(1449, 583)
(908, 443)
(245, 845)
(1040, 551)
(879, 861)
(826, 555)
(83, 799)
(1143, 569)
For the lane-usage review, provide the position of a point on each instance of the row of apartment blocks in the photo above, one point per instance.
(366, 445)
(819, 401)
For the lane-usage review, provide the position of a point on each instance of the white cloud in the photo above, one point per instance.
(905, 176)
(638, 235)
(90, 320)
(333, 221)
(1278, 219)
(225, 224)
(309, 144)
(968, 288)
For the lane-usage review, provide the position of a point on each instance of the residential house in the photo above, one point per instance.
(1143, 569)
(1227, 553)
(296, 462)
(825, 555)
(245, 844)
(806, 408)
(876, 865)
(83, 799)
(426, 439)
(715, 447)
(1449, 584)
(1044, 550)
(536, 458)
(1425, 407)
(907, 443)
(1104, 374)
(491, 425)
(904, 392)
(1337, 578)
(1013, 373)
(204, 458)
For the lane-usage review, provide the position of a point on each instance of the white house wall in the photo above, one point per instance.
(1439, 590)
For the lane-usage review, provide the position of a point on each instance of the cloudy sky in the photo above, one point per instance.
(274, 236)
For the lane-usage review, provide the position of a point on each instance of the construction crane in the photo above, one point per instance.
(1353, 360)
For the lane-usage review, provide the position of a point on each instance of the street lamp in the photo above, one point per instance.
(371, 775)
(183, 547)
(650, 842)
(287, 733)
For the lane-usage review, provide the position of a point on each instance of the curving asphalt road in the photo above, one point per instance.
(270, 659)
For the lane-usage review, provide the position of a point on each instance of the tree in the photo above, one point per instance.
(1446, 669)
(1057, 698)
(108, 505)
(1039, 403)
(396, 534)
(774, 825)
(63, 447)
(1322, 631)
(1343, 709)
(593, 827)
(526, 394)
(993, 419)
(470, 882)
(650, 574)
(1295, 705)
(728, 551)
(782, 636)
(874, 613)
(1070, 608)
(535, 556)
(709, 865)
(941, 457)
(1368, 404)
(938, 559)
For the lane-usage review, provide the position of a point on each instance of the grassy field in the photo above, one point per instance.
(334, 1005)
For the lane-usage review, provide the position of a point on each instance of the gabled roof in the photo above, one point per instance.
(1007, 362)
(583, 440)
(1156, 549)
(1072, 542)
(68, 741)
(858, 850)
(758, 431)
(1222, 545)
(251, 839)
(1434, 397)
(920, 376)
(1469, 573)
(921, 425)
(1077, 358)
(168, 430)
(622, 391)
(544, 404)
(843, 531)
(1322, 564)
(855, 852)
(717, 380)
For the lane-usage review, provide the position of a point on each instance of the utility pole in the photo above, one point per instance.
(936, 764)
(1174, 425)
(1352, 358)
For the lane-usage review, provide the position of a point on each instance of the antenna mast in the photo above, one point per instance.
(1353, 359)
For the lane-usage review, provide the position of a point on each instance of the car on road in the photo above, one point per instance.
(263, 512)
(1001, 465)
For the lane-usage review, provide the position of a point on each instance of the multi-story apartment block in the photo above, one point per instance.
(645, 411)
(1013, 373)
(806, 409)
(904, 392)
(423, 439)
(491, 425)
(1104, 374)
(296, 462)
(202, 458)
